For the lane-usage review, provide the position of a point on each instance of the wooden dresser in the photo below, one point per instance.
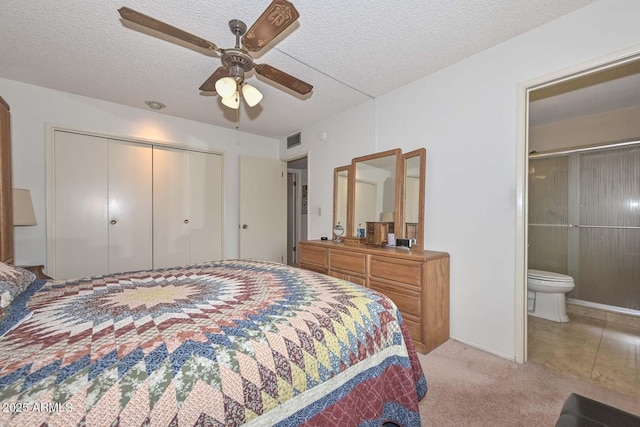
(416, 281)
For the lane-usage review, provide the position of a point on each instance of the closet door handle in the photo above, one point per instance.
(114, 222)
(186, 221)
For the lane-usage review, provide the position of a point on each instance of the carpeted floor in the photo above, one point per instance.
(469, 387)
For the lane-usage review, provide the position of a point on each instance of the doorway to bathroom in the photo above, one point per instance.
(581, 210)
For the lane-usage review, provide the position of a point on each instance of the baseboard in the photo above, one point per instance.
(510, 357)
(604, 312)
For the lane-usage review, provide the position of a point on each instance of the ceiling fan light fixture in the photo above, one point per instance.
(226, 87)
(232, 101)
(251, 95)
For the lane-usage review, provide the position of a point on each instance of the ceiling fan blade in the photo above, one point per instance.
(283, 78)
(152, 23)
(274, 20)
(210, 84)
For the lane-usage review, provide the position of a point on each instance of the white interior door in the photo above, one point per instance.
(171, 203)
(80, 214)
(262, 208)
(206, 220)
(130, 207)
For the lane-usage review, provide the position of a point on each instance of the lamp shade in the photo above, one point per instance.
(232, 101)
(226, 87)
(251, 95)
(23, 213)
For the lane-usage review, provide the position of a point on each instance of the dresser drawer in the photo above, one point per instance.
(415, 330)
(313, 267)
(407, 299)
(409, 272)
(313, 255)
(349, 277)
(353, 262)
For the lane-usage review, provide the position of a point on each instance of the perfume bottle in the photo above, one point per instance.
(338, 231)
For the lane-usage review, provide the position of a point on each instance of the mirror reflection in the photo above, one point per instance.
(374, 190)
(340, 192)
(413, 200)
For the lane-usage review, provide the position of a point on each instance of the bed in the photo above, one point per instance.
(227, 343)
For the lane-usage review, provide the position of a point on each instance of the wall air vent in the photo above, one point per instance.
(293, 140)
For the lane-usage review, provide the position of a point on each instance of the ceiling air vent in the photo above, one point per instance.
(293, 140)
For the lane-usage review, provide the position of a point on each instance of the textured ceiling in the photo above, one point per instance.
(350, 50)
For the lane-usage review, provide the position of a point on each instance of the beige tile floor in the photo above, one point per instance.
(595, 346)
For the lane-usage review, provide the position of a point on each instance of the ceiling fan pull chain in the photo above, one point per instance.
(237, 118)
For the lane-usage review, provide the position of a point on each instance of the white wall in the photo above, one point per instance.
(465, 116)
(33, 108)
(329, 144)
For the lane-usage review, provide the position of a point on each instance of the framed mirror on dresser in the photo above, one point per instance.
(414, 169)
(376, 194)
(341, 208)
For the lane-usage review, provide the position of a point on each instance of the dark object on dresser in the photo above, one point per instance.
(580, 411)
(378, 232)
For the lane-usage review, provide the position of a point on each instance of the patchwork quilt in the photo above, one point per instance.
(228, 343)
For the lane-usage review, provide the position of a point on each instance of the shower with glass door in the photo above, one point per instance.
(584, 221)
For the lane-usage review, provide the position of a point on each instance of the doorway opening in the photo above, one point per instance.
(297, 206)
(570, 126)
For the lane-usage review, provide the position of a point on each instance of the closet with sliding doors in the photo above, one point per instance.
(117, 205)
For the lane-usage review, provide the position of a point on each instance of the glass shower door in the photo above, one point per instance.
(584, 221)
(609, 228)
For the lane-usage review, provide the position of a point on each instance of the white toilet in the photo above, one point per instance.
(546, 294)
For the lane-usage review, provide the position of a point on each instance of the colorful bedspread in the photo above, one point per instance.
(225, 343)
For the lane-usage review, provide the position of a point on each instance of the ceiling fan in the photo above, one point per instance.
(228, 80)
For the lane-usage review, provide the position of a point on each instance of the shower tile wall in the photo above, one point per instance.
(599, 192)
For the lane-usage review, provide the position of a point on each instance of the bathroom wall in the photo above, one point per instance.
(594, 129)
